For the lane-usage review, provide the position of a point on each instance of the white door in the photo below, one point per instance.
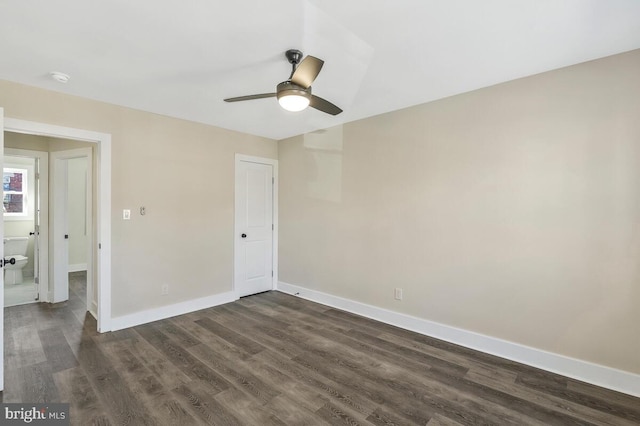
(59, 290)
(254, 228)
(2, 260)
(36, 229)
(36, 164)
(59, 243)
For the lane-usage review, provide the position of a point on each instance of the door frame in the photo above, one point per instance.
(43, 189)
(59, 209)
(101, 250)
(236, 227)
(2, 126)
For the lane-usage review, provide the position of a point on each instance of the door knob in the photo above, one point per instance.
(244, 235)
(11, 261)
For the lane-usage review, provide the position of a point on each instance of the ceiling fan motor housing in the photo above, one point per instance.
(287, 88)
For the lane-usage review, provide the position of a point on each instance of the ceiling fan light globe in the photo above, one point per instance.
(293, 102)
(292, 97)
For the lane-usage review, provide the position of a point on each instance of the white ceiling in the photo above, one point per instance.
(181, 58)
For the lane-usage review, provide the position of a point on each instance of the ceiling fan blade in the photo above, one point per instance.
(324, 105)
(307, 71)
(251, 97)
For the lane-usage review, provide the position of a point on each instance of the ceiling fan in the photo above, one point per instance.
(294, 94)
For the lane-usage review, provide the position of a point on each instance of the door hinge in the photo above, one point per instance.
(273, 227)
(37, 175)
(273, 180)
(99, 245)
(271, 273)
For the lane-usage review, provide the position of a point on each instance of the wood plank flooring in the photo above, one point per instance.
(273, 359)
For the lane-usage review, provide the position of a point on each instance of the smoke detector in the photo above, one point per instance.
(59, 76)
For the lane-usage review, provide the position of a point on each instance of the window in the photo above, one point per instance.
(14, 184)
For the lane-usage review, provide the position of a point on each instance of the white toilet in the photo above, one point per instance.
(16, 248)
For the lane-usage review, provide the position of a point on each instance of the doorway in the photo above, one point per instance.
(256, 219)
(69, 216)
(101, 250)
(25, 203)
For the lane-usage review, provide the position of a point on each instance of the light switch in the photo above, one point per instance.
(126, 214)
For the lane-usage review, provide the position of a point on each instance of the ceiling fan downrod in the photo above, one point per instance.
(294, 56)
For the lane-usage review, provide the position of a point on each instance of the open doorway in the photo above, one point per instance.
(101, 250)
(62, 254)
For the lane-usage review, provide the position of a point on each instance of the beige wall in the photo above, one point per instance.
(182, 172)
(22, 141)
(512, 211)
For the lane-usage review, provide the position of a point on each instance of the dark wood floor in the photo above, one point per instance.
(272, 359)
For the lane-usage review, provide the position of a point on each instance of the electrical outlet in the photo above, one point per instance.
(398, 293)
(165, 289)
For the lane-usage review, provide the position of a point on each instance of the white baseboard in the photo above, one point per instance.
(144, 317)
(599, 375)
(77, 267)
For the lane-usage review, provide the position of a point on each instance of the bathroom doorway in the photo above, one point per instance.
(25, 185)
